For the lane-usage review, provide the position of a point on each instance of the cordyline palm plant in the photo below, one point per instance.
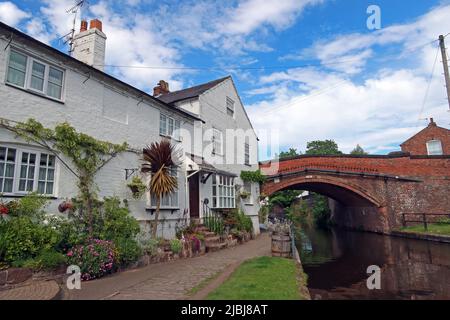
(158, 159)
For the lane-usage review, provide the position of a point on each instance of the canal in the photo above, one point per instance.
(336, 262)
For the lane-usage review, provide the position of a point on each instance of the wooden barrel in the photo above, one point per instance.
(281, 245)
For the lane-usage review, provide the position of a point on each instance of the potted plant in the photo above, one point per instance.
(244, 194)
(137, 187)
(65, 205)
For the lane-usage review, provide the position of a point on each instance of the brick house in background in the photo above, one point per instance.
(432, 141)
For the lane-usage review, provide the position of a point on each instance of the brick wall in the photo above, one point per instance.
(417, 145)
(375, 201)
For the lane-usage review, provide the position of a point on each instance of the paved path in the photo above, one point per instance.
(34, 290)
(171, 280)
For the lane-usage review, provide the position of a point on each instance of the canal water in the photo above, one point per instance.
(336, 263)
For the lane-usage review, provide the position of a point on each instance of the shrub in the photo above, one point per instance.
(94, 259)
(127, 251)
(116, 221)
(150, 246)
(46, 260)
(21, 238)
(244, 222)
(176, 246)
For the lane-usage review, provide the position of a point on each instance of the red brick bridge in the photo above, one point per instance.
(369, 192)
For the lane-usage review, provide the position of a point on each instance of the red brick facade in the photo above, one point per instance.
(417, 144)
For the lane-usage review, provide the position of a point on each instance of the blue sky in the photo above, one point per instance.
(309, 69)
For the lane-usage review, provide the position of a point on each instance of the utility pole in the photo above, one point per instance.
(445, 63)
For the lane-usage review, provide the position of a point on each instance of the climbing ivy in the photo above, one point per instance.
(253, 176)
(87, 154)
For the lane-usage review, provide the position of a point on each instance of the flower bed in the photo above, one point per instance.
(95, 259)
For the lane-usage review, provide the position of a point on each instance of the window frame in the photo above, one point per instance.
(174, 172)
(29, 75)
(223, 192)
(175, 123)
(247, 153)
(434, 141)
(247, 186)
(214, 151)
(230, 111)
(17, 168)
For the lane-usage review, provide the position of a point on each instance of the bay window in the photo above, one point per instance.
(223, 193)
(24, 171)
(34, 75)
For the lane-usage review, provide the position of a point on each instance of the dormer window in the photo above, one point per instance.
(434, 148)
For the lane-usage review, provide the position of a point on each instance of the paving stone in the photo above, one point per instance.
(170, 280)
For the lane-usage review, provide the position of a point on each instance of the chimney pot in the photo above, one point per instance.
(161, 88)
(432, 123)
(96, 24)
(84, 25)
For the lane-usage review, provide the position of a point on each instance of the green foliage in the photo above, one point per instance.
(176, 246)
(283, 198)
(263, 213)
(291, 153)
(31, 205)
(358, 150)
(22, 238)
(236, 219)
(137, 187)
(263, 278)
(215, 224)
(253, 176)
(127, 251)
(85, 152)
(115, 221)
(300, 213)
(325, 147)
(321, 211)
(95, 259)
(151, 247)
(46, 260)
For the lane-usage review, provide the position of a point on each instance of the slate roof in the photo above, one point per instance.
(189, 93)
(109, 77)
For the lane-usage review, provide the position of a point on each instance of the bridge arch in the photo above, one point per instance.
(346, 192)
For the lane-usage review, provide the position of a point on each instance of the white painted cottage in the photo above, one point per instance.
(40, 82)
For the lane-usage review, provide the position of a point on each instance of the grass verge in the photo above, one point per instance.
(263, 278)
(442, 229)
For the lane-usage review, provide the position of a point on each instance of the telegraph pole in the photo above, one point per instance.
(445, 63)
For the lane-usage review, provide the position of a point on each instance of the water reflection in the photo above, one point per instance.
(336, 262)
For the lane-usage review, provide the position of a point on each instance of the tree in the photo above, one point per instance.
(322, 147)
(291, 153)
(358, 151)
(159, 158)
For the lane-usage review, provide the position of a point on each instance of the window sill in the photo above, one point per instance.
(169, 137)
(153, 209)
(20, 195)
(35, 93)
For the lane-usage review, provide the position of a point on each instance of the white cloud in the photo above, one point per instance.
(11, 14)
(250, 15)
(313, 103)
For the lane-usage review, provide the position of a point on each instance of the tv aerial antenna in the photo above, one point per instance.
(68, 38)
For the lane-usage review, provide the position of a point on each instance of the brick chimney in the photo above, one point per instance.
(432, 123)
(161, 88)
(89, 45)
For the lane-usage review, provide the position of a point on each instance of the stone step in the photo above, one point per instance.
(209, 234)
(212, 240)
(216, 247)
